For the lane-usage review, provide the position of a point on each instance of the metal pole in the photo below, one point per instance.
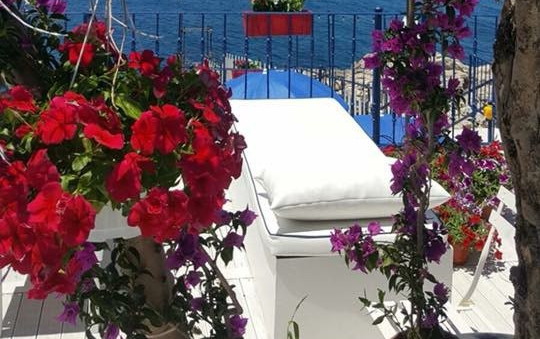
(376, 86)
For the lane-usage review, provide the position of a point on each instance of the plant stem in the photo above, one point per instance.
(223, 281)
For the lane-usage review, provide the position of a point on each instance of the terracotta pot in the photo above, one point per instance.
(277, 23)
(461, 254)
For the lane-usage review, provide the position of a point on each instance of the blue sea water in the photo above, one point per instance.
(350, 39)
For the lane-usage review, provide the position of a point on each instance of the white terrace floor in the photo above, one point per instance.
(25, 318)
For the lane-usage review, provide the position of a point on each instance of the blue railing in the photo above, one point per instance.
(331, 53)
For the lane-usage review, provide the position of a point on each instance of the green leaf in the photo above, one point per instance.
(378, 320)
(80, 162)
(130, 107)
(227, 255)
(65, 180)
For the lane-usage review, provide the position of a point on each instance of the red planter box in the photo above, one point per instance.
(239, 72)
(277, 23)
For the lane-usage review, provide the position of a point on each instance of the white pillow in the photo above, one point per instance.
(315, 162)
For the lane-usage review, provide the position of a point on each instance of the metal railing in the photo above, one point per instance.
(331, 54)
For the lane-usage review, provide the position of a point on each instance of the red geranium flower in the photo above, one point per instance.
(74, 49)
(40, 170)
(104, 137)
(161, 214)
(145, 62)
(58, 123)
(124, 182)
(43, 210)
(19, 99)
(161, 128)
(78, 218)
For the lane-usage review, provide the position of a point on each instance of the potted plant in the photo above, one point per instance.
(277, 17)
(466, 230)
(243, 66)
(145, 137)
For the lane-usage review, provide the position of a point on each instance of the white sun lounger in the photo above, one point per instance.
(290, 259)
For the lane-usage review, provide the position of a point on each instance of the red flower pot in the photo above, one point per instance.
(238, 72)
(461, 254)
(277, 23)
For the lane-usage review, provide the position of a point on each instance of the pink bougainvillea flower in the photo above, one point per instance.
(58, 123)
(104, 137)
(124, 182)
(161, 128)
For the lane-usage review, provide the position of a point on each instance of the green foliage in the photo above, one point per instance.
(277, 5)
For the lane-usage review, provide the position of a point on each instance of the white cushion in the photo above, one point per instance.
(315, 162)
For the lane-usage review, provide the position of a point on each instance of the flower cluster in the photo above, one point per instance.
(246, 64)
(411, 77)
(152, 141)
(277, 5)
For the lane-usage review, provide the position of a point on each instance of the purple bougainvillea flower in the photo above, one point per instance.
(223, 218)
(86, 257)
(353, 234)
(70, 313)
(111, 332)
(247, 217)
(441, 292)
(435, 249)
(374, 227)
(237, 325)
(372, 61)
(53, 6)
(233, 240)
(338, 240)
(469, 140)
(193, 278)
(196, 304)
(430, 319)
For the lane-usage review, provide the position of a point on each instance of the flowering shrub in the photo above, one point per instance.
(277, 5)
(246, 64)
(149, 139)
(473, 178)
(412, 79)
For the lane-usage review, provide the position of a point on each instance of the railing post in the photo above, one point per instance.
(376, 86)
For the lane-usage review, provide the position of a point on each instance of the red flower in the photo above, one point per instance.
(74, 49)
(19, 99)
(78, 218)
(145, 62)
(58, 123)
(161, 214)
(97, 31)
(43, 208)
(22, 131)
(145, 131)
(475, 219)
(124, 182)
(161, 81)
(16, 239)
(104, 137)
(162, 128)
(40, 170)
(204, 211)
